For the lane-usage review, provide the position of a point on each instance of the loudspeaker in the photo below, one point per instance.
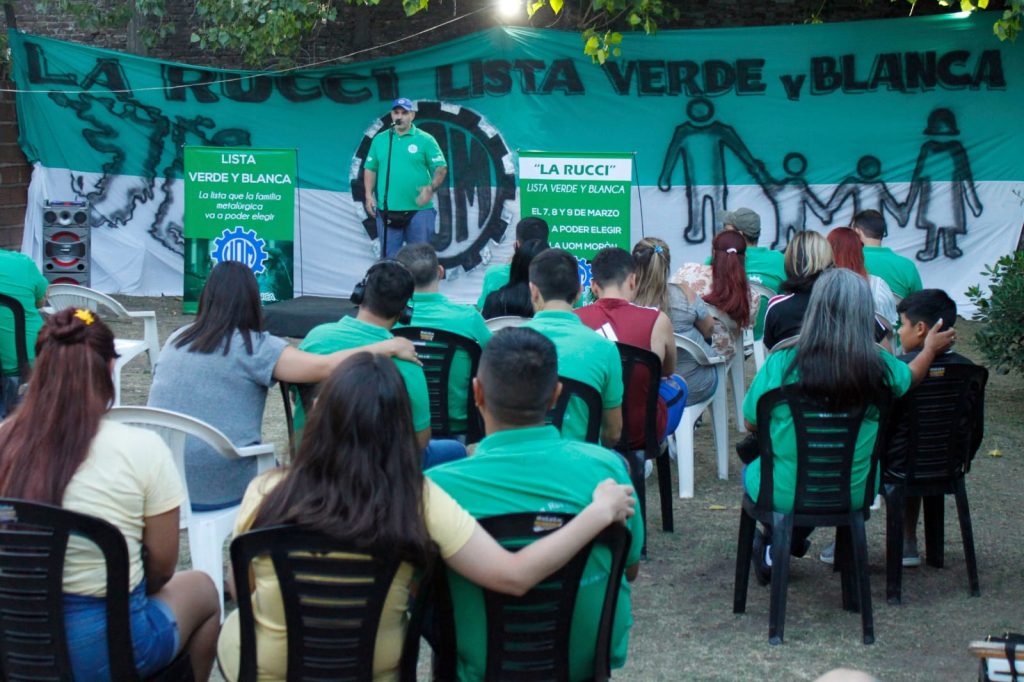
(66, 242)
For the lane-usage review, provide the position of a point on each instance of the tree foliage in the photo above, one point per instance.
(272, 32)
(1001, 339)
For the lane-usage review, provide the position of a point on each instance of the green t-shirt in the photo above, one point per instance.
(21, 280)
(532, 469)
(417, 154)
(348, 332)
(783, 431)
(583, 355)
(495, 278)
(436, 311)
(764, 266)
(899, 272)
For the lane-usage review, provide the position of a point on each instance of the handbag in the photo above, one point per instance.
(398, 220)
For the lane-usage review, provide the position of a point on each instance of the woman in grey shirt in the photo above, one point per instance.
(219, 369)
(689, 315)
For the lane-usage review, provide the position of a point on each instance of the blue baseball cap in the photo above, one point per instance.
(404, 103)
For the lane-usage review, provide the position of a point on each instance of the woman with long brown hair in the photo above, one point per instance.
(724, 285)
(363, 484)
(59, 449)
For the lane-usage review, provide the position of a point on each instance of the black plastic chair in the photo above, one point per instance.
(590, 397)
(293, 395)
(825, 449)
(333, 595)
(436, 349)
(13, 378)
(937, 429)
(633, 360)
(528, 636)
(33, 646)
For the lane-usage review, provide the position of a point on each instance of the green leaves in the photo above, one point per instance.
(1001, 339)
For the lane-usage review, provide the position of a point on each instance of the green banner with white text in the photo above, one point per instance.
(918, 118)
(240, 206)
(584, 198)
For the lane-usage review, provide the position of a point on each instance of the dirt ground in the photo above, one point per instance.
(684, 627)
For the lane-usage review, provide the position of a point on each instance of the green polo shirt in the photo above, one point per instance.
(20, 279)
(899, 272)
(583, 355)
(764, 266)
(772, 375)
(436, 311)
(495, 278)
(417, 154)
(348, 332)
(533, 469)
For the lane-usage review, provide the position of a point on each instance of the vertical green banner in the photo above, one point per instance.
(240, 205)
(584, 197)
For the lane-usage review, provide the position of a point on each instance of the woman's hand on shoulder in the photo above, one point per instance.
(940, 340)
(615, 500)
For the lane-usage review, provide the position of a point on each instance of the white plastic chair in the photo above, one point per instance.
(766, 295)
(60, 296)
(719, 418)
(498, 323)
(735, 367)
(207, 530)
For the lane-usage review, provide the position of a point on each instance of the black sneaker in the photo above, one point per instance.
(759, 558)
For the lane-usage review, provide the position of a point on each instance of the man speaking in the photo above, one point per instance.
(405, 167)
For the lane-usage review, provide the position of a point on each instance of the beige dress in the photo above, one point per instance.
(698, 277)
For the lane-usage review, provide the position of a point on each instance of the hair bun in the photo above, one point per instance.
(67, 327)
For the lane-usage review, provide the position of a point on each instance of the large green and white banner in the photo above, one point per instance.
(584, 198)
(918, 118)
(239, 205)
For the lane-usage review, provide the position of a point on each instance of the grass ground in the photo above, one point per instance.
(682, 602)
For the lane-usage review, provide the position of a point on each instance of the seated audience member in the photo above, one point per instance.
(59, 448)
(848, 252)
(362, 484)
(837, 361)
(615, 317)
(498, 275)
(899, 272)
(807, 256)
(219, 368)
(686, 310)
(583, 354)
(514, 297)
(763, 265)
(386, 290)
(524, 466)
(431, 308)
(723, 284)
(20, 279)
(919, 312)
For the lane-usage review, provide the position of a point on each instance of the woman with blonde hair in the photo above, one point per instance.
(689, 315)
(724, 285)
(807, 256)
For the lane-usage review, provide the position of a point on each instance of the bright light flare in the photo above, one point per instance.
(510, 8)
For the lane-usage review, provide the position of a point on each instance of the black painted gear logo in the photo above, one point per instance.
(475, 205)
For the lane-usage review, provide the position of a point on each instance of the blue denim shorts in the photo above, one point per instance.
(155, 635)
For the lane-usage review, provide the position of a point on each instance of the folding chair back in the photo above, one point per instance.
(12, 378)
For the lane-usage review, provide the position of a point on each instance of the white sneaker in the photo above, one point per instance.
(648, 468)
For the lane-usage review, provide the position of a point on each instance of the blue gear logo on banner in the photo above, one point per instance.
(241, 245)
(583, 268)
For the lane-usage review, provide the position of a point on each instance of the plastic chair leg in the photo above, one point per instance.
(738, 389)
(636, 467)
(963, 511)
(665, 492)
(844, 560)
(895, 508)
(118, 365)
(934, 519)
(744, 549)
(684, 452)
(860, 563)
(782, 535)
(720, 420)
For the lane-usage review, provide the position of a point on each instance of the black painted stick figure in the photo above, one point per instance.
(791, 197)
(868, 191)
(941, 158)
(701, 146)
